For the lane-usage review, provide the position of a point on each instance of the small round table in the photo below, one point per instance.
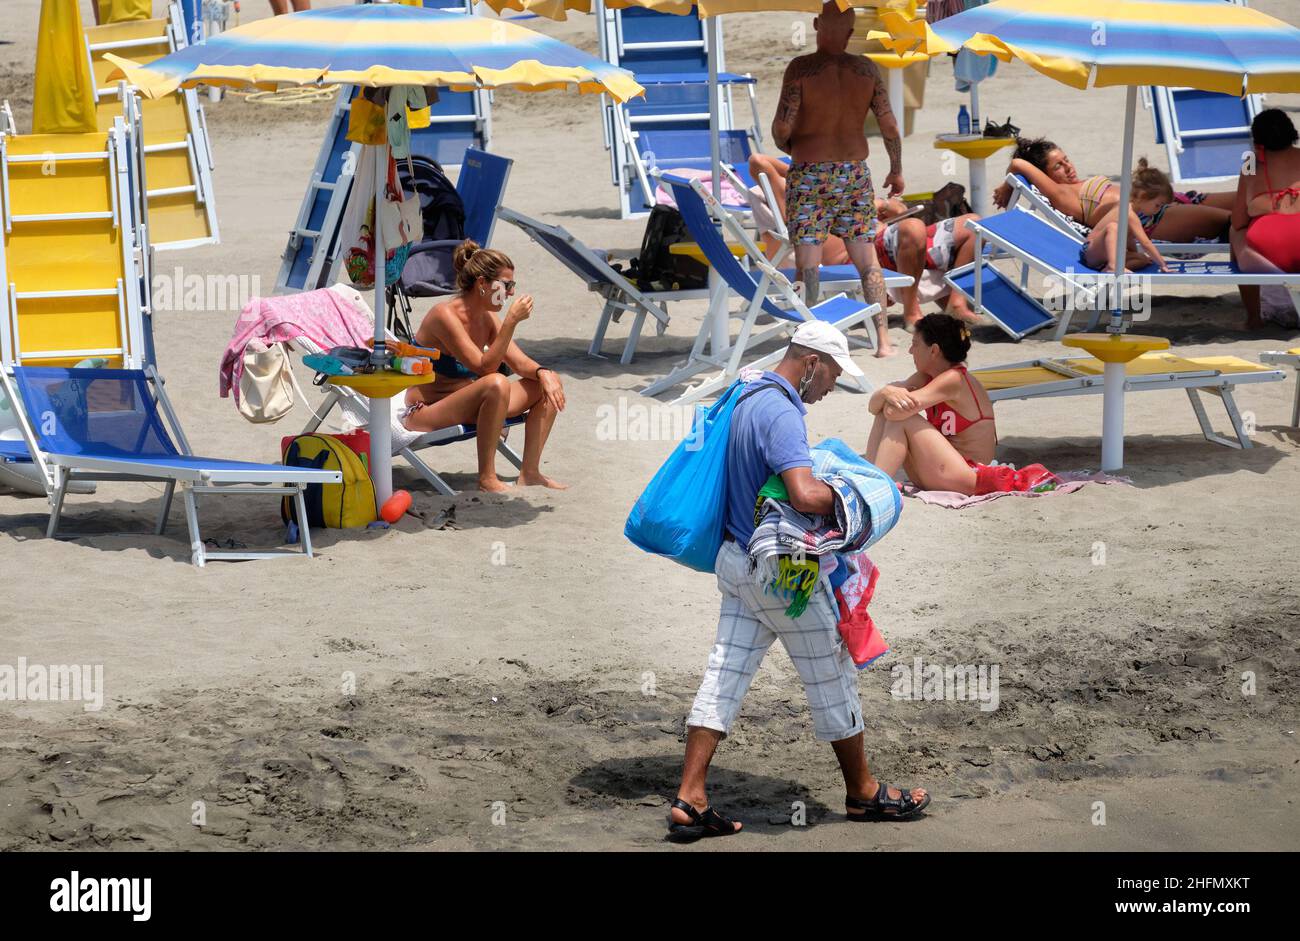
(379, 388)
(1115, 350)
(977, 151)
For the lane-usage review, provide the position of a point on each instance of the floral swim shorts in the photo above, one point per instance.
(831, 198)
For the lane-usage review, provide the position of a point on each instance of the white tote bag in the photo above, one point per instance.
(266, 385)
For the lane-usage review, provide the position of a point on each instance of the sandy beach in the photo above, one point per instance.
(509, 672)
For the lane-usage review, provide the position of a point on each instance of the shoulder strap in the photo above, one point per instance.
(760, 386)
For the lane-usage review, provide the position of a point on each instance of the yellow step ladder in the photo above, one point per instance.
(178, 154)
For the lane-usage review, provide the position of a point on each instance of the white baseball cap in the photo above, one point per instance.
(820, 336)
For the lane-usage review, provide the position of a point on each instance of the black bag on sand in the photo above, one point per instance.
(657, 269)
(944, 203)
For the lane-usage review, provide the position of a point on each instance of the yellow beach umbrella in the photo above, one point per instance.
(64, 97)
(378, 45)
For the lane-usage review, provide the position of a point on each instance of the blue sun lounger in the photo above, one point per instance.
(620, 295)
(1205, 133)
(104, 424)
(1034, 243)
(754, 285)
(667, 54)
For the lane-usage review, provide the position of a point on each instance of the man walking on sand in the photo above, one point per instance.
(821, 123)
(768, 436)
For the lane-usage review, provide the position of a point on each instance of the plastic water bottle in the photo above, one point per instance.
(963, 120)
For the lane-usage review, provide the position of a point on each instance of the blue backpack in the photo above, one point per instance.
(681, 512)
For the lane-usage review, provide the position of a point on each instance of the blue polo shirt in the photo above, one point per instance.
(768, 436)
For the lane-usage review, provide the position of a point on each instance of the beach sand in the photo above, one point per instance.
(516, 676)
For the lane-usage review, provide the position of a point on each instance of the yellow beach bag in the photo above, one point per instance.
(337, 506)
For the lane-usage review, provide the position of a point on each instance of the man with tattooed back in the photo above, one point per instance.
(821, 123)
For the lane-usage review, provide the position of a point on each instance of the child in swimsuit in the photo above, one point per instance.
(1149, 194)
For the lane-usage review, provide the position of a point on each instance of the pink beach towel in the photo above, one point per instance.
(335, 316)
(730, 196)
(1070, 482)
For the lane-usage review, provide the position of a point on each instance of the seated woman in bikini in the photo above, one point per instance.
(478, 352)
(1266, 211)
(939, 422)
(1188, 217)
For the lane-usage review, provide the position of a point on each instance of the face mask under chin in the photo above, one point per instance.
(805, 384)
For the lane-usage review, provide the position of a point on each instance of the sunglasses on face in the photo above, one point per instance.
(508, 286)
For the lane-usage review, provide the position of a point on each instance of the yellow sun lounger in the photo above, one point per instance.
(178, 155)
(1082, 375)
(69, 269)
(1289, 358)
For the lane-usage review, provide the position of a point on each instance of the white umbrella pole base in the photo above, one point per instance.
(381, 449)
(1116, 350)
(1112, 418)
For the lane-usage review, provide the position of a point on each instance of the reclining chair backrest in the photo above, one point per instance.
(95, 412)
(707, 235)
(482, 187)
(687, 149)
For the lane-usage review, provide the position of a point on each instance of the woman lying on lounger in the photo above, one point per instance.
(939, 422)
(478, 352)
(1188, 217)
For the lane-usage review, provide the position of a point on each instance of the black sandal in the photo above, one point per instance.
(707, 824)
(884, 807)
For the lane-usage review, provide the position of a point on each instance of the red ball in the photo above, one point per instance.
(395, 506)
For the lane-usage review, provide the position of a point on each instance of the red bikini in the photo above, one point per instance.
(944, 416)
(1276, 235)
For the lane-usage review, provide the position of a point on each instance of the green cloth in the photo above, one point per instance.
(797, 579)
(774, 489)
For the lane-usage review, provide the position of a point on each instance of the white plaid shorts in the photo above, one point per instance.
(749, 621)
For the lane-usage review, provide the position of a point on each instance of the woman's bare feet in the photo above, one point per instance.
(493, 484)
(540, 480)
(886, 350)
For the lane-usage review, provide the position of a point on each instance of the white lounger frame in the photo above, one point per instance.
(197, 143)
(620, 295)
(63, 469)
(1280, 358)
(127, 289)
(770, 281)
(1210, 381)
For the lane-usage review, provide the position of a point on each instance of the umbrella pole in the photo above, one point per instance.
(714, 27)
(381, 409)
(1125, 190)
(1112, 405)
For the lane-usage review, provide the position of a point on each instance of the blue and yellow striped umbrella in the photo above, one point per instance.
(381, 45)
(1208, 44)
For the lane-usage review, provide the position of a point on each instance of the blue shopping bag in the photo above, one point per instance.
(680, 513)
